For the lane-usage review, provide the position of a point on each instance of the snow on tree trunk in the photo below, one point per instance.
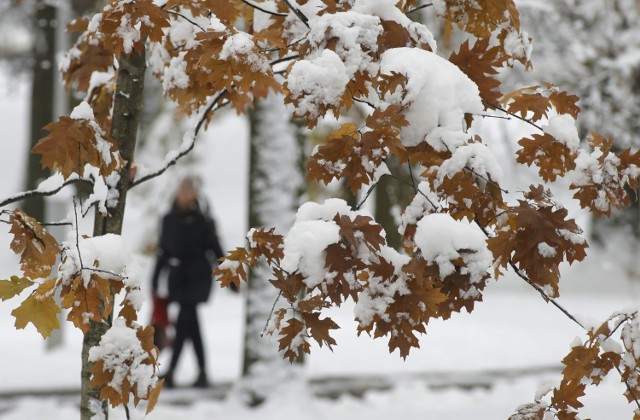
(126, 116)
(274, 192)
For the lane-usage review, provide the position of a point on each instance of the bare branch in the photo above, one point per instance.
(415, 9)
(273, 308)
(369, 191)
(186, 151)
(42, 224)
(630, 389)
(544, 295)
(283, 59)
(38, 193)
(75, 212)
(269, 12)
(362, 101)
(298, 13)
(185, 18)
(499, 108)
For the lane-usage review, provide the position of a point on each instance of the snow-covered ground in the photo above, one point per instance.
(513, 329)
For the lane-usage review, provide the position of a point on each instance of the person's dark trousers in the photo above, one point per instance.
(188, 327)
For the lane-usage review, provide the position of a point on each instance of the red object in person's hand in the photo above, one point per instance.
(160, 314)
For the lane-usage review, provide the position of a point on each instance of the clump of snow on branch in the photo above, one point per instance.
(109, 256)
(476, 157)
(563, 128)
(240, 47)
(387, 10)
(442, 239)
(355, 36)
(318, 82)
(122, 354)
(437, 94)
(375, 299)
(304, 248)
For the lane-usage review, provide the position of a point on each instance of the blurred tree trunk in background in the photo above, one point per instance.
(275, 187)
(42, 97)
(390, 197)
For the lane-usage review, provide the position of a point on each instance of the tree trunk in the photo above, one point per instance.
(391, 196)
(126, 117)
(275, 185)
(42, 99)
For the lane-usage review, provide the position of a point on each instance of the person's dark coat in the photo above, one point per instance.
(188, 248)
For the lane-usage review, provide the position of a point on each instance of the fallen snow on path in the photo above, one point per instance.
(407, 400)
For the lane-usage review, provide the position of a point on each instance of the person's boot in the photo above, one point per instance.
(202, 381)
(168, 380)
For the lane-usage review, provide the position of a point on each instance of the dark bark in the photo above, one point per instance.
(389, 193)
(126, 117)
(42, 99)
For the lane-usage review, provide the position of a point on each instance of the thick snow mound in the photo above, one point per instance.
(437, 93)
(442, 239)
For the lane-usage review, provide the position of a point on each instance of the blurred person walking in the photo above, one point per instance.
(188, 249)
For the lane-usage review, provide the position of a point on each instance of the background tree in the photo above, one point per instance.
(458, 230)
(275, 187)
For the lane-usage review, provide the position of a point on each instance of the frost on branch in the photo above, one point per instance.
(124, 363)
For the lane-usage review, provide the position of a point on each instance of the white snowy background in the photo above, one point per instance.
(513, 330)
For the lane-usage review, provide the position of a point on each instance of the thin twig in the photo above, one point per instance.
(273, 308)
(545, 295)
(43, 224)
(283, 59)
(75, 212)
(288, 45)
(37, 193)
(299, 14)
(415, 9)
(499, 108)
(111, 273)
(485, 179)
(362, 101)
(417, 190)
(626, 318)
(492, 116)
(413, 181)
(369, 191)
(633, 394)
(185, 18)
(269, 12)
(173, 161)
